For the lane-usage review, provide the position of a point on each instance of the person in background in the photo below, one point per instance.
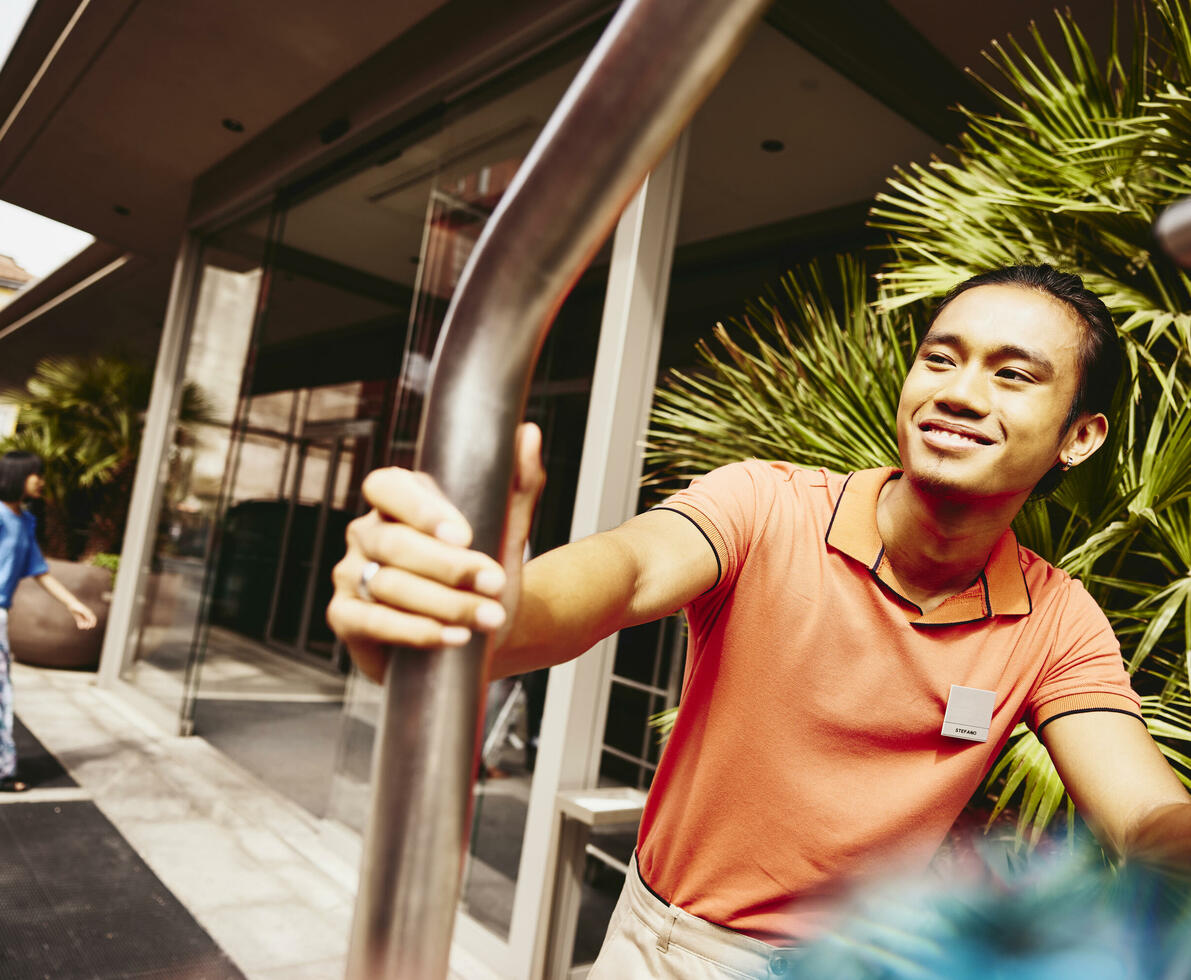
(21, 480)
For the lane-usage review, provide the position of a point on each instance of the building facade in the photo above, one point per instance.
(281, 218)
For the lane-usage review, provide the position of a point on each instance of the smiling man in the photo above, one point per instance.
(861, 646)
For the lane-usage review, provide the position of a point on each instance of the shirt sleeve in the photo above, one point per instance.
(728, 506)
(35, 563)
(1087, 672)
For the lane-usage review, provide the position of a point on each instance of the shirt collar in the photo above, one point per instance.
(1000, 590)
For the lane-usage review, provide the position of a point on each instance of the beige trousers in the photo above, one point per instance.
(650, 940)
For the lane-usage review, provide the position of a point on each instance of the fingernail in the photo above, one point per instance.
(451, 533)
(490, 615)
(455, 636)
(490, 581)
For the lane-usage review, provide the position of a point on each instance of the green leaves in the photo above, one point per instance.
(84, 416)
(1080, 157)
(798, 377)
(1025, 766)
(1072, 170)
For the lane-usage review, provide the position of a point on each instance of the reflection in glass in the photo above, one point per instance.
(316, 363)
(425, 209)
(162, 642)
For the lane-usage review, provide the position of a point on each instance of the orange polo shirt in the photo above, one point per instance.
(807, 752)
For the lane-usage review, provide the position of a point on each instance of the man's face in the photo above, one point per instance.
(985, 399)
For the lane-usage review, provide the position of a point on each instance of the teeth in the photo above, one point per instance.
(955, 437)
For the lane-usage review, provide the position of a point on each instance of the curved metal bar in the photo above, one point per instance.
(654, 65)
(1173, 231)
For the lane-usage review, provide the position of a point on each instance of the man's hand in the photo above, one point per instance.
(431, 589)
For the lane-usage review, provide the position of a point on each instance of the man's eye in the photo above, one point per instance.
(935, 358)
(1012, 374)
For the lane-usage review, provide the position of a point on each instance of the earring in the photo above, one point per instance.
(1068, 463)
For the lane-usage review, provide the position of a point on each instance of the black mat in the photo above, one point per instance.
(35, 765)
(77, 902)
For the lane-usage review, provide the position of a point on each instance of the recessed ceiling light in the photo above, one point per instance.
(233, 125)
(772, 146)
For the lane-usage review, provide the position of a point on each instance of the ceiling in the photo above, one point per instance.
(961, 31)
(110, 121)
(131, 106)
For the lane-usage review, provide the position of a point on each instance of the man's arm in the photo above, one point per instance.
(1123, 786)
(574, 596)
(431, 589)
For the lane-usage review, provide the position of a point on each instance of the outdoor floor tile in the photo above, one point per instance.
(269, 885)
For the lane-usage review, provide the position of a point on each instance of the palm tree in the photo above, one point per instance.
(1072, 169)
(84, 417)
(811, 373)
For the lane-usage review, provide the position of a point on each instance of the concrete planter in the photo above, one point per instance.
(40, 630)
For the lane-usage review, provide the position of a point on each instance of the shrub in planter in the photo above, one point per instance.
(41, 631)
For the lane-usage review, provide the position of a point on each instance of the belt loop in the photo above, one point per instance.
(664, 935)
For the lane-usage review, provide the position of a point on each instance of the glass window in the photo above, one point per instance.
(314, 357)
(432, 201)
(228, 289)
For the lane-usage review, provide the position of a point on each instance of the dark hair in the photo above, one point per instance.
(15, 469)
(1100, 359)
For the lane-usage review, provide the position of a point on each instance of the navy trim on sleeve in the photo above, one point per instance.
(1084, 711)
(719, 568)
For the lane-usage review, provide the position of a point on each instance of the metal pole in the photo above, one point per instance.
(654, 65)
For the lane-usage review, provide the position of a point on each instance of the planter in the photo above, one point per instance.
(40, 630)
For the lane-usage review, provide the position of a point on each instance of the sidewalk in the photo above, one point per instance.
(268, 882)
(271, 885)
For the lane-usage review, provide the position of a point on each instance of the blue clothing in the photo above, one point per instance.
(8, 748)
(19, 554)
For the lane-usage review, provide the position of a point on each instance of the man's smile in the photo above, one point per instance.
(944, 434)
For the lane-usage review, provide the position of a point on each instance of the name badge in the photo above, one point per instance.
(969, 713)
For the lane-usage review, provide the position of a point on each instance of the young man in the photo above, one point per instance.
(860, 648)
(21, 480)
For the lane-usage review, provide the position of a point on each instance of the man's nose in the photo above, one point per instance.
(965, 392)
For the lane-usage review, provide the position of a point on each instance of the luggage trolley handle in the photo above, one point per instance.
(655, 63)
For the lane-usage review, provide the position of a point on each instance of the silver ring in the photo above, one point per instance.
(367, 573)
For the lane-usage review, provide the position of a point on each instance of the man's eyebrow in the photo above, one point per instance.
(1006, 351)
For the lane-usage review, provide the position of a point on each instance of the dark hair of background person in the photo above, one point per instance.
(15, 469)
(1100, 358)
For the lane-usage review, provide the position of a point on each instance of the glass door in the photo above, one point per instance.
(323, 496)
(231, 287)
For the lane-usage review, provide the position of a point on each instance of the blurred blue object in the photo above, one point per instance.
(1065, 915)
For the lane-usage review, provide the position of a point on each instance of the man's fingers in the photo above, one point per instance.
(531, 477)
(370, 626)
(414, 499)
(404, 547)
(370, 657)
(527, 487)
(427, 588)
(413, 594)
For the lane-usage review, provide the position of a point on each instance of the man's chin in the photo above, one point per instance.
(946, 482)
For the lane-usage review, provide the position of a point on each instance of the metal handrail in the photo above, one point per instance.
(654, 65)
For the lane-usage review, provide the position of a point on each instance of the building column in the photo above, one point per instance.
(140, 533)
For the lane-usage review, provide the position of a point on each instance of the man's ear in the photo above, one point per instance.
(1084, 438)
